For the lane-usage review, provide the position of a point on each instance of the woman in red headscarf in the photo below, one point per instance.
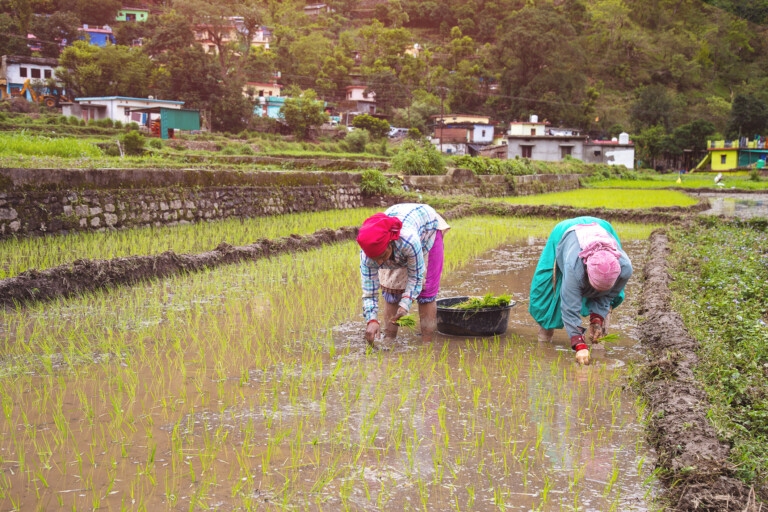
(401, 253)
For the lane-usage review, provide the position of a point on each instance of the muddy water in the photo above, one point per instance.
(744, 206)
(258, 392)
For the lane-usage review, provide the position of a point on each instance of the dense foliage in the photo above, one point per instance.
(649, 67)
(725, 269)
(418, 158)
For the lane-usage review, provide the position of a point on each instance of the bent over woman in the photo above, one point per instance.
(582, 271)
(401, 253)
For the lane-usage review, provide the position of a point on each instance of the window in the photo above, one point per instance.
(597, 152)
(483, 133)
(565, 151)
(35, 73)
(526, 151)
(23, 72)
(722, 159)
(130, 17)
(533, 131)
(47, 73)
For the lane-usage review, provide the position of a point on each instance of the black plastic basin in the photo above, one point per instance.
(471, 322)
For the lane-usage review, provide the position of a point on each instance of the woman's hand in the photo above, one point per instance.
(372, 331)
(401, 312)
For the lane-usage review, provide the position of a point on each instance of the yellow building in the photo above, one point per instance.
(730, 155)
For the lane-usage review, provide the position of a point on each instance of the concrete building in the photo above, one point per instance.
(116, 108)
(17, 69)
(357, 100)
(611, 152)
(97, 36)
(730, 155)
(132, 14)
(458, 119)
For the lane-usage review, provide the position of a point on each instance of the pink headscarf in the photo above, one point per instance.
(600, 254)
(377, 231)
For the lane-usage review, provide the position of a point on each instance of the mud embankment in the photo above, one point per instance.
(694, 462)
(84, 276)
(657, 215)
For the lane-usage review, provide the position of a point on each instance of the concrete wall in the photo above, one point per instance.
(463, 181)
(611, 154)
(47, 200)
(547, 149)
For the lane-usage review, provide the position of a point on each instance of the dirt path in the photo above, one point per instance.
(695, 462)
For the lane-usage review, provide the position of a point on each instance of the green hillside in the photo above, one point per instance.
(602, 65)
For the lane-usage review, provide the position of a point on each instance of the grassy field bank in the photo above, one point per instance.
(720, 277)
(612, 199)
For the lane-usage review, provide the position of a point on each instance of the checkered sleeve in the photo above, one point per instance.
(369, 278)
(410, 247)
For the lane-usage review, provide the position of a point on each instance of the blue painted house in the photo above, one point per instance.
(98, 36)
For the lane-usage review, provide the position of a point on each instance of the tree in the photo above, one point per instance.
(303, 112)
(230, 110)
(54, 29)
(378, 128)
(653, 106)
(693, 135)
(11, 40)
(651, 143)
(110, 71)
(169, 32)
(95, 12)
(749, 116)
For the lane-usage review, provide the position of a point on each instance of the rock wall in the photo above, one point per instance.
(44, 200)
(464, 181)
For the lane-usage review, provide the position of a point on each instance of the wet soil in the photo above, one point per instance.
(240, 402)
(695, 462)
(742, 205)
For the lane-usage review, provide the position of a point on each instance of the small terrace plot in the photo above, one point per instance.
(250, 386)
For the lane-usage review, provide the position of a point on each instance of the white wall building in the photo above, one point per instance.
(115, 107)
(17, 69)
(611, 152)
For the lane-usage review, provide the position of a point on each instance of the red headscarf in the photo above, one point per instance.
(377, 231)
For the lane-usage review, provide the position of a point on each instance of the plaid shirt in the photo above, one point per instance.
(417, 237)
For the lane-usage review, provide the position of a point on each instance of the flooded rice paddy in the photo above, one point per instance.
(250, 387)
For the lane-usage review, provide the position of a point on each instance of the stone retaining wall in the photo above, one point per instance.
(464, 181)
(43, 200)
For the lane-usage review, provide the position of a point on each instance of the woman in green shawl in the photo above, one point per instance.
(581, 272)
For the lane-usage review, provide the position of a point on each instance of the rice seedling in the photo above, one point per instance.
(487, 301)
(243, 386)
(407, 321)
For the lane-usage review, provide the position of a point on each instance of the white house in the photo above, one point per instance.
(116, 108)
(533, 127)
(17, 69)
(361, 101)
(611, 152)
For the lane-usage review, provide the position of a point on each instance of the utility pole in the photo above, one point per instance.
(442, 97)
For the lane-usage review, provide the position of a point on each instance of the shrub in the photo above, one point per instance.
(754, 175)
(355, 141)
(118, 124)
(418, 159)
(133, 143)
(414, 134)
(374, 183)
(111, 150)
(156, 143)
(378, 128)
(133, 126)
